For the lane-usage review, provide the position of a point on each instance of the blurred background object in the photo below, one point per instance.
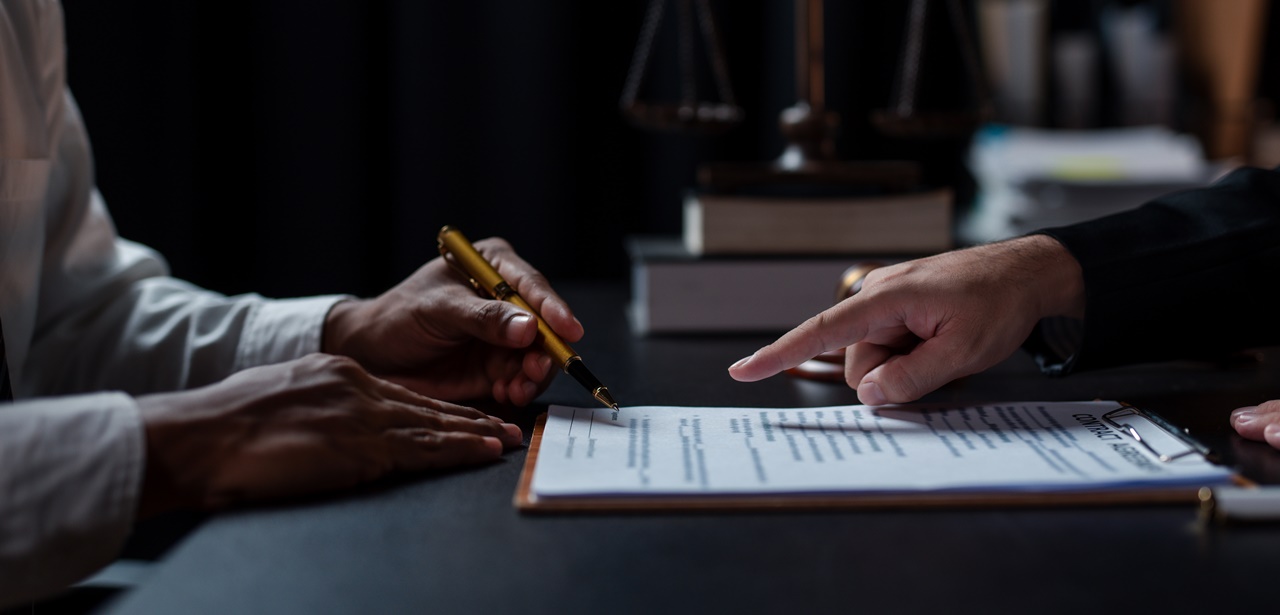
(1031, 178)
(296, 147)
(1220, 43)
(689, 110)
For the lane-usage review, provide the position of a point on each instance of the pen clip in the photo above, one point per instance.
(460, 270)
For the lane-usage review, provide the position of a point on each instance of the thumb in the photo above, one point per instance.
(908, 377)
(496, 322)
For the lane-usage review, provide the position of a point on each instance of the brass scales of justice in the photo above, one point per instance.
(808, 126)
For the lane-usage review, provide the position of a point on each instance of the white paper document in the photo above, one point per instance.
(1020, 446)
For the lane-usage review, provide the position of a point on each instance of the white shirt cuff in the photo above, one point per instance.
(283, 329)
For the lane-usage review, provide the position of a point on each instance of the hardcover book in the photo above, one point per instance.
(676, 291)
(909, 223)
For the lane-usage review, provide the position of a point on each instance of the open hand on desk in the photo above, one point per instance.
(432, 333)
(1261, 422)
(918, 325)
(315, 424)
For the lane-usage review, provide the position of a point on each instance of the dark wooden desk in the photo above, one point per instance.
(453, 543)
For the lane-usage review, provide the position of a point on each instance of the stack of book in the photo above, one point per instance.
(756, 264)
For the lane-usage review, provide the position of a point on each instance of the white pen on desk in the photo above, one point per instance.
(1232, 504)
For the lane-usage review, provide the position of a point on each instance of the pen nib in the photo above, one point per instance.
(602, 395)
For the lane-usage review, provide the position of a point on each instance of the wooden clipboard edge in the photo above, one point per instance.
(524, 499)
(528, 502)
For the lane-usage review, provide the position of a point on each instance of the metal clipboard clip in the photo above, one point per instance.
(1120, 420)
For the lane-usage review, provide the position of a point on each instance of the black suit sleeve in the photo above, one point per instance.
(1187, 275)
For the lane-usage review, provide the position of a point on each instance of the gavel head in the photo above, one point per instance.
(852, 278)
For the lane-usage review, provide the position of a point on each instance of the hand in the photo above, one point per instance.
(1261, 422)
(918, 325)
(435, 335)
(315, 424)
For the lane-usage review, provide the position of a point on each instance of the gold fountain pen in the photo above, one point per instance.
(462, 256)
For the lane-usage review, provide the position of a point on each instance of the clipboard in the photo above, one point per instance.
(526, 501)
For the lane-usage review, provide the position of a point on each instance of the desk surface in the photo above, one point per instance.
(453, 542)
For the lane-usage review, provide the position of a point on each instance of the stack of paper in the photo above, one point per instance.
(1002, 448)
(1032, 178)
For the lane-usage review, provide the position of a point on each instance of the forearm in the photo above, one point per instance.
(162, 334)
(1178, 277)
(1045, 268)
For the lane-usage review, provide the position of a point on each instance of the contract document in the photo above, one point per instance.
(1005, 447)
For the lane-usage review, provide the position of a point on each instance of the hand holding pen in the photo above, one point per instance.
(436, 336)
(486, 280)
(324, 422)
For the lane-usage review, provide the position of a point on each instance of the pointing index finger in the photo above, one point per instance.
(833, 328)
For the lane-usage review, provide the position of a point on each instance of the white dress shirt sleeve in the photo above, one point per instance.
(84, 312)
(70, 475)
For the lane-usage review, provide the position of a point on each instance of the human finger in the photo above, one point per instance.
(1271, 433)
(407, 416)
(398, 392)
(499, 391)
(1271, 408)
(522, 384)
(370, 392)
(907, 377)
(416, 450)
(511, 433)
(1253, 422)
(833, 328)
(504, 372)
(498, 323)
(533, 287)
(861, 358)
(521, 391)
(537, 366)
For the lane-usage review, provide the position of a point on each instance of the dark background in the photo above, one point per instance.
(292, 147)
